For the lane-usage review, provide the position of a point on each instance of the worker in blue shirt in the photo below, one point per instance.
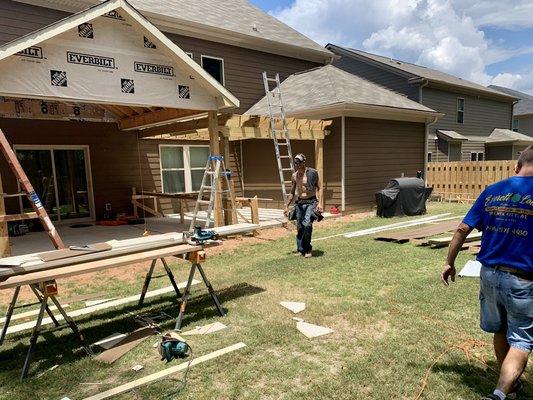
(504, 213)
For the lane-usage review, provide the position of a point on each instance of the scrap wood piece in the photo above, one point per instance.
(432, 230)
(126, 344)
(203, 330)
(110, 340)
(446, 240)
(164, 373)
(311, 330)
(295, 307)
(30, 313)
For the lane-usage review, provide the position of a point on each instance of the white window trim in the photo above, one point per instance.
(189, 54)
(186, 165)
(457, 110)
(88, 173)
(517, 129)
(429, 155)
(202, 56)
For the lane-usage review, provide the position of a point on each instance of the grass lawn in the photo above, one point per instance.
(391, 316)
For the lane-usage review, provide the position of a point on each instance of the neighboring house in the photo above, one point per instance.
(84, 148)
(522, 111)
(472, 111)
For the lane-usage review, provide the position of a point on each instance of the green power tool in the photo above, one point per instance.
(171, 348)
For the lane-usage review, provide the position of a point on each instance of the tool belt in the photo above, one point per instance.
(309, 200)
(528, 276)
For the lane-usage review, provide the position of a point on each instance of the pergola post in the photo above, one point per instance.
(5, 250)
(214, 149)
(319, 161)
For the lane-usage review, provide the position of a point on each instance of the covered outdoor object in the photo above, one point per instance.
(403, 196)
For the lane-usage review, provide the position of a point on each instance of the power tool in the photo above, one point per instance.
(172, 347)
(200, 236)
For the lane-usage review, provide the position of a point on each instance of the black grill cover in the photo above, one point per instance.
(403, 196)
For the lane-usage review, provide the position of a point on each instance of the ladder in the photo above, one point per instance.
(280, 134)
(27, 187)
(212, 183)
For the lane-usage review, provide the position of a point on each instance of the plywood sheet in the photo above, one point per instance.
(295, 307)
(311, 330)
(204, 330)
(126, 344)
(74, 252)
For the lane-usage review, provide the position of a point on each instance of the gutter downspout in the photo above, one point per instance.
(426, 147)
(343, 162)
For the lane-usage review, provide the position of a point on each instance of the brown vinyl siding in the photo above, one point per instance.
(470, 147)
(18, 19)
(480, 118)
(114, 159)
(242, 67)
(377, 151)
(516, 150)
(526, 125)
(499, 152)
(378, 75)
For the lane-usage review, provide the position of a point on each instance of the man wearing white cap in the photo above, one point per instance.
(306, 188)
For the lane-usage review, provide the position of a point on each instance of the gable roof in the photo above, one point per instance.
(331, 91)
(225, 98)
(451, 135)
(500, 136)
(235, 21)
(414, 71)
(524, 105)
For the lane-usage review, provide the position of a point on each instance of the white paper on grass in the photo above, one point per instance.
(106, 59)
(311, 330)
(295, 307)
(471, 269)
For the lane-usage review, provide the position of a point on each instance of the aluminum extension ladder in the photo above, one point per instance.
(214, 170)
(280, 134)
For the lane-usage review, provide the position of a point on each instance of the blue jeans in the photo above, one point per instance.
(507, 306)
(304, 225)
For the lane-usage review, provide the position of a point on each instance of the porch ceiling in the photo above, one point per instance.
(237, 127)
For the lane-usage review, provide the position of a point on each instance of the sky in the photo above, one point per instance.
(485, 41)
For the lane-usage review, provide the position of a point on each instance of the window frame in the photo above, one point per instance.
(517, 128)
(186, 166)
(477, 155)
(223, 74)
(457, 111)
(429, 156)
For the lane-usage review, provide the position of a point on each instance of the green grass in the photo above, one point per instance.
(391, 316)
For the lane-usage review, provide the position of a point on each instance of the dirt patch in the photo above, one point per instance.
(376, 331)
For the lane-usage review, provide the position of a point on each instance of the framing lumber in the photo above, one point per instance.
(5, 249)
(125, 345)
(155, 118)
(440, 242)
(214, 149)
(319, 164)
(18, 217)
(163, 374)
(432, 230)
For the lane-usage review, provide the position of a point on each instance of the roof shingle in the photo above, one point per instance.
(524, 105)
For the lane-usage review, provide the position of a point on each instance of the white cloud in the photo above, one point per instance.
(442, 34)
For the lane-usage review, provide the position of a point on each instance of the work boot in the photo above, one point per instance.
(308, 254)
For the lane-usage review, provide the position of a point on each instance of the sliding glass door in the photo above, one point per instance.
(60, 177)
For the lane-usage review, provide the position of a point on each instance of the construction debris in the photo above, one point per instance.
(295, 307)
(311, 330)
(125, 345)
(432, 230)
(110, 341)
(163, 374)
(204, 330)
(443, 242)
(137, 367)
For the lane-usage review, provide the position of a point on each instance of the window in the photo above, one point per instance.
(430, 156)
(182, 167)
(477, 156)
(460, 110)
(516, 124)
(215, 67)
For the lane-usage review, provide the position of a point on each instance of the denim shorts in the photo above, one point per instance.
(507, 306)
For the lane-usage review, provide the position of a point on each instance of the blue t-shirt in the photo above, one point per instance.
(504, 213)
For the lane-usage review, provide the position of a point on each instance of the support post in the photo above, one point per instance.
(319, 163)
(214, 149)
(135, 209)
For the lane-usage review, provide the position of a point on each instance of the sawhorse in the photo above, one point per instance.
(44, 291)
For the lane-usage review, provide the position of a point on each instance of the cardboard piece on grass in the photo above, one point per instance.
(311, 330)
(295, 307)
(471, 269)
(125, 345)
(110, 340)
(203, 330)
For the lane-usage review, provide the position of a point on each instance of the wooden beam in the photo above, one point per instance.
(155, 117)
(214, 149)
(17, 217)
(264, 133)
(115, 110)
(319, 164)
(5, 250)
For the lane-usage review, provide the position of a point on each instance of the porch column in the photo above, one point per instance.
(5, 251)
(214, 149)
(319, 163)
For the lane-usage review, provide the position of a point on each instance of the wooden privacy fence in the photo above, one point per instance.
(464, 181)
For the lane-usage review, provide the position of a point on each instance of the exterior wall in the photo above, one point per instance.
(18, 19)
(114, 159)
(526, 125)
(242, 67)
(377, 75)
(377, 151)
(499, 152)
(517, 150)
(470, 147)
(481, 115)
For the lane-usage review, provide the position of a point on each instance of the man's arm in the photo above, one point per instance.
(290, 197)
(320, 205)
(457, 242)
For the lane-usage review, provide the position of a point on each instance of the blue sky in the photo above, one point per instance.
(486, 41)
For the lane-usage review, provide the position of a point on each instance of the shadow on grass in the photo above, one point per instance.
(51, 349)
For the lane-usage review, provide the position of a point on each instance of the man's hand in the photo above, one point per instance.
(286, 211)
(448, 272)
(319, 208)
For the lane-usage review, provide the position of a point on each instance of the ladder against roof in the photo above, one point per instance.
(280, 133)
(217, 185)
